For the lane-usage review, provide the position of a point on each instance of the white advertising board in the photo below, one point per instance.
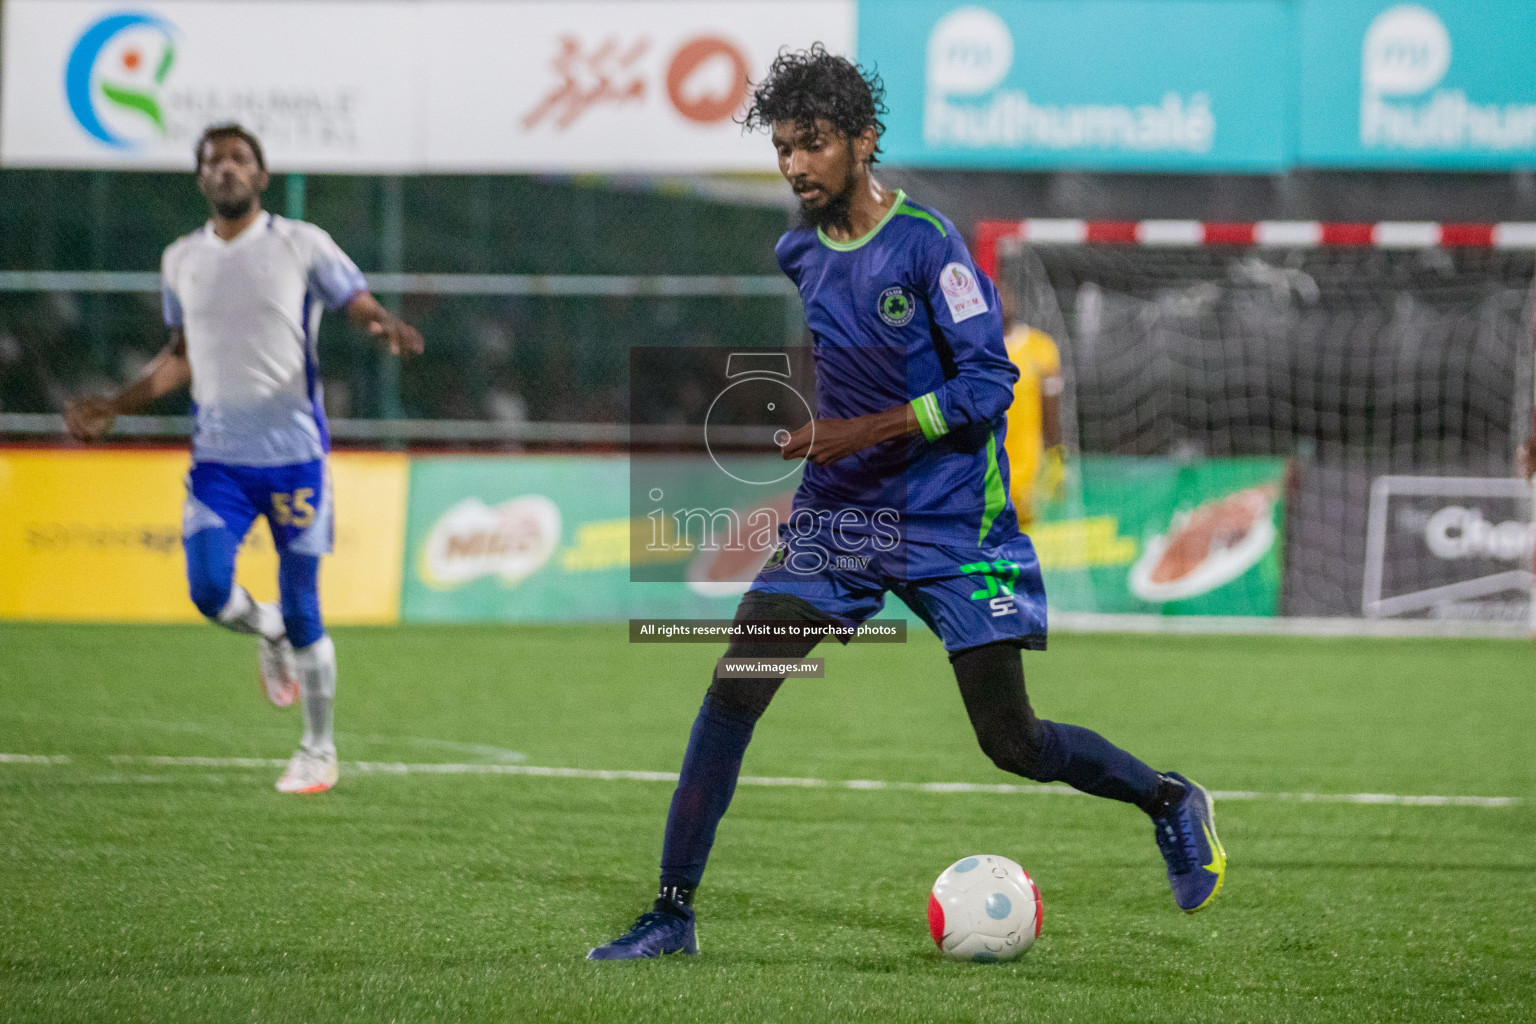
(398, 85)
(326, 85)
(604, 85)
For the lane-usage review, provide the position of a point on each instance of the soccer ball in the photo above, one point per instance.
(984, 909)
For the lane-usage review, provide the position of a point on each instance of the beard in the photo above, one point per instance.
(233, 209)
(836, 212)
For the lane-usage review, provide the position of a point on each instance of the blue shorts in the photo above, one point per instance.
(296, 500)
(968, 595)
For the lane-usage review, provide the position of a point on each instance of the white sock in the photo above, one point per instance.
(242, 614)
(317, 689)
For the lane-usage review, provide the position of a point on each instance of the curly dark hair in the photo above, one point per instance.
(229, 131)
(806, 85)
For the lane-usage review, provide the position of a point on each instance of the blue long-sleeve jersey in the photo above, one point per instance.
(902, 316)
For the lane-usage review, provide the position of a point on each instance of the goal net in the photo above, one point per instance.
(1292, 419)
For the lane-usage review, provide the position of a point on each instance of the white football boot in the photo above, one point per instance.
(309, 772)
(279, 675)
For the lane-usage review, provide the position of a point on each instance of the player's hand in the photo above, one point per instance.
(1525, 457)
(1052, 478)
(398, 336)
(827, 441)
(87, 419)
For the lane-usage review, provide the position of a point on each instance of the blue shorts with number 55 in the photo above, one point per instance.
(296, 500)
(968, 595)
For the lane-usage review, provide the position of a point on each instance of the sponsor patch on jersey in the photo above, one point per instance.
(962, 292)
(896, 306)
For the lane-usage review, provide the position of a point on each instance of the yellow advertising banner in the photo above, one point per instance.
(95, 536)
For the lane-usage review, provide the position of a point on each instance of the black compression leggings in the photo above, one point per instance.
(991, 679)
(747, 699)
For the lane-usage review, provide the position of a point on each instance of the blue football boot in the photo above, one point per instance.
(654, 933)
(1186, 836)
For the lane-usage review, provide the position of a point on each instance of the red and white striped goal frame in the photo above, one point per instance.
(1294, 234)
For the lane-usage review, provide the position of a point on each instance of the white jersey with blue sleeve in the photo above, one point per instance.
(250, 308)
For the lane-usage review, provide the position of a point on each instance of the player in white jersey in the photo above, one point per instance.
(242, 298)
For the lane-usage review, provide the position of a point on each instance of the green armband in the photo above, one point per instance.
(929, 417)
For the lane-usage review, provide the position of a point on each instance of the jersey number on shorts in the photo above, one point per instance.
(1000, 576)
(293, 509)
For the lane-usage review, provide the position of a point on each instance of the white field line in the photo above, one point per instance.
(485, 752)
(603, 775)
(1252, 625)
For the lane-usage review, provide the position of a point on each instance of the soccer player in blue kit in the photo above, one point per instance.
(919, 435)
(242, 298)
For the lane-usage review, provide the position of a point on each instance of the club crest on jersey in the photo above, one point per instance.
(962, 292)
(896, 306)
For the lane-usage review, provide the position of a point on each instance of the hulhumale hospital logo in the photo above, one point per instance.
(970, 52)
(1405, 56)
(114, 76)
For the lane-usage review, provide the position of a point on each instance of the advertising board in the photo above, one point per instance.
(392, 86)
(1157, 536)
(534, 539)
(1438, 83)
(95, 536)
(1449, 547)
(1122, 84)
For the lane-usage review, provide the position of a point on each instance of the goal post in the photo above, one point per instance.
(1388, 366)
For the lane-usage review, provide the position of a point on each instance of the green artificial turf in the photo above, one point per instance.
(171, 891)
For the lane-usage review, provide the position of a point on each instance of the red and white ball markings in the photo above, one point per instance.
(984, 909)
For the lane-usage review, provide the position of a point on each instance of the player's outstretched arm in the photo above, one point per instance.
(826, 441)
(388, 330)
(1525, 457)
(87, 419)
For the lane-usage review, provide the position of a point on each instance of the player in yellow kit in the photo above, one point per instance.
(1033, 443)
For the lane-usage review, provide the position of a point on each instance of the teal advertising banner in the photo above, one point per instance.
(1132, 84)
(1443, 83)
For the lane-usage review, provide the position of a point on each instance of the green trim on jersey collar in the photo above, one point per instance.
(901, 197)
(912, 211)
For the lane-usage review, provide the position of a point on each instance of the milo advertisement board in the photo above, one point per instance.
(556, 539)
(583, 538)
(1138, 535)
